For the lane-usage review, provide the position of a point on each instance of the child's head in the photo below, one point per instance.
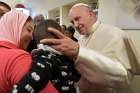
(41, 31)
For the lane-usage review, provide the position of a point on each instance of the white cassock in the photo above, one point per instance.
(103, 61)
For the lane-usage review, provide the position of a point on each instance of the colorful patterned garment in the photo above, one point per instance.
(47, 66)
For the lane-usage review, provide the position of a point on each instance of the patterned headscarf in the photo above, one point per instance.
(11, 25)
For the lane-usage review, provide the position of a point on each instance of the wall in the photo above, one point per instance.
(53, 14)
(61, 13)
(106, 11)
(64, 14)
(107, 14)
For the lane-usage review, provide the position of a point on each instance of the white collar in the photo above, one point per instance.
(48, 48)
(94, 27)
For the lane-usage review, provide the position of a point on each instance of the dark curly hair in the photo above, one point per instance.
(41, 30)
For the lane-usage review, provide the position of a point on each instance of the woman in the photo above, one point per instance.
(15, 34)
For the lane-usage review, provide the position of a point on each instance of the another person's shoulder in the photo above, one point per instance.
(18, 53)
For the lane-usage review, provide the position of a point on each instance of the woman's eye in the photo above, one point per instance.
(29, 30)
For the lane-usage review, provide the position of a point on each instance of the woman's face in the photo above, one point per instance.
(26, 35)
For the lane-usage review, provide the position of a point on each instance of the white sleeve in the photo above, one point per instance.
(100, 69)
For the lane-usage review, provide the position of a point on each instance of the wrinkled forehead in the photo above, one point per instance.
(74, 12)
(78, 10)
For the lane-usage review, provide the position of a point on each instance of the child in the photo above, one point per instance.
(64, 75)
(58, 68)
